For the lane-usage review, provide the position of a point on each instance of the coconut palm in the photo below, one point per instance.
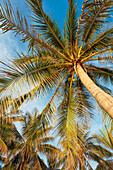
(58, 58)
(102, 147)
(64, 63)
(78, 149)
(26, 154)
(105, 139)
(9, 135)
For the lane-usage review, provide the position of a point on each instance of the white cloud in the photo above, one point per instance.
(8, 45)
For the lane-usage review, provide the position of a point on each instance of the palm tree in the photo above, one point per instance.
(78, 148)
(105, 139)
(57, 57)
(26, 154)
(9, 135)
(63, 62)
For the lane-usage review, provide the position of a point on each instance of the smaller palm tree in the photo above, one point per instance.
(26, 154)
(105, 140)
(9, 135)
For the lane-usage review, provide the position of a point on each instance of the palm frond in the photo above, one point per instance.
(96, 14)
(105, 137)
(74, 105)
(33, 76)
(24, 156)
(11, 20)
(71, 24)
(74, 149)
(85, 106)
(103, 41)
(102, 72)
(44, 24)
(107, 164)
(3, 147)
(48, 113)
(66, 111)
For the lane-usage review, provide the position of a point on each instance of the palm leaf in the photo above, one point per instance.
(96, 13)
(105, 73)
(11, 20)
(34, 76)
(71, 24)
(48, 28)
(102, 41)
(3, 147)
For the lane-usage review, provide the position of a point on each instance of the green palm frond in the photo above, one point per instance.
(96, 13)
(102, 72)
(44, 24)
(36, 76)
(101, 161)
(73, 106)
(9, 136)
(70, 110)
(49, 112)
(66, 110)
(103, 41)
(107, 164)
(11, 20)
(71, 24)
(29, 122)
(85, 105)
(105, 137)
(9, 133)
(52, 160)
(26, 154)
(102, 151)
(97, 149)
(74, 154)
(106, 119)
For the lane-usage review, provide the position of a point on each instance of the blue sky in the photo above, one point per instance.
(9, 43)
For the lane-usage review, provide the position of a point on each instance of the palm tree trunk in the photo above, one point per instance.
(104, 99)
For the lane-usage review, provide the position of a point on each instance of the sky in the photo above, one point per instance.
(9, 43)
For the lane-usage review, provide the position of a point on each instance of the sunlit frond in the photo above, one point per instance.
(44, 24)
(26, 153)
(74, 149)
(49, 112)
(3, 147)
(11, 20)
(105, 137)
(103, 41)
(35, 77)
(71, 24)
(95, 14)
(102, 72)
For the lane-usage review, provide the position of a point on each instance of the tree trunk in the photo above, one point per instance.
(104, 99)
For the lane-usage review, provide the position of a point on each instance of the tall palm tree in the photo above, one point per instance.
(60, 57)
(65, 64)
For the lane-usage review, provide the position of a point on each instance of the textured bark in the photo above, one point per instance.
(104, 99)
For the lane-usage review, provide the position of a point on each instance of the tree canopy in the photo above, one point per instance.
(71, 65)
